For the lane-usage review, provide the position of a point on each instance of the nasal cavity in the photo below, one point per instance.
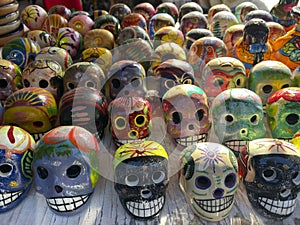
(218, 193)
(146, 193)
(58, 188)
(191, 127)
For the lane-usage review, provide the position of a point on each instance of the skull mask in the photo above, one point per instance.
(34, 109)
(270, 171)
(209, 179)
(130, 119)
(66, 168)
(282, 110)
(186, 114)
(16, 154)
(238, 117)
(141, 178)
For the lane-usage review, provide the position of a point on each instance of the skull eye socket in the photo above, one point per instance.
(230, 180)
(140, 120)
(254, 119)
(269, 174)
(199, 114)
(285, 86)
(3, 83)
(135, 82)
(26, 83)
(70, 86)
(229, 118)
(132, 180)
(73, 171)
(218, 82)
(202, 182)
(267, 89)
(169, 83)
(176, 117)
(292, 119)
(38, 123)
(90, 84)
(116, 83)
(42, 172)
(158, 177)
(120, 123)
(43, 83)
(5, 169)
(296, 178)
(133, 134)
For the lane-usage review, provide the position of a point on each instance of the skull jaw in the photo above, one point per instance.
(236, 145)
(189, 140)
(120, 142)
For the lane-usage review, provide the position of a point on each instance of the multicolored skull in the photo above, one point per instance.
(81, 23)
(238, 117)
(231, 36)
(108, 22)
(66, 168)
(85, 107)
(168, 34)
(43, 38)
(16, 153)
(194, 35)
(83, 74)
(33, 109)
(282, 109)
(46, 74)
(258, 14)
(10, 78)
(132, 32)
(134, 19)
(168, 7)
(119, 10)
(209, 179)
(141, 178)
(126, 77)
(186, 114)
(33, 16)
(213, 10)
(220, 74)
(99, 38)
(130, 119)
(269, 76)
(146, 9)
(242, 9)
(187, 7)
(193, 20)
(159, 20)
(276, 31)
(270, 171)
(101, 56)
(53, 22)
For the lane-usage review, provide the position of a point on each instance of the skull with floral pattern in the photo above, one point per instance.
(209, 179)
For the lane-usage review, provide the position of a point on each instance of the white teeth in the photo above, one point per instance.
(215, 205)
(283, 208)
(186, 141)
(9, 197)
(120, 142)
(236, 145)
(37, 137)
(67, 204)
(143, 208)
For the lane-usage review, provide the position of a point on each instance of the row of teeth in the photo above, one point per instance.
(185, 141)
(215, 205)
(67, 204)
(277, 206)
(236, 145)
(120, 142)
(145, 208)
(7, 198)
(37, 137)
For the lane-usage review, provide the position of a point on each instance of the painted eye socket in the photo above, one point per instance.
(158, 177)
(70, 86)
(38, 123)
(199, 114)
(140, 120)
(218, 82)
(296, 178)
(254, 119)
(5, 169)
(73, 171)
(229, 118)
(116, 83)
(42, 172)
(90, 84)
(120, 123)
(267, 89)
(26, 83)
(292, 119)
(132, 180)
(285, 86)
(169, 83)
(230, 180)
(269, 174)
(202, 182)
(43, 83)
(176, 117)
(133, 134)
(3, 83)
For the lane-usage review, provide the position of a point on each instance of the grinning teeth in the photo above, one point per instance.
(144, 208)
(186, 141)
(283, 208)
(37, 137)
(120, 142)
(9, 197)
(236, 145)
(67, 204)
(215, 205)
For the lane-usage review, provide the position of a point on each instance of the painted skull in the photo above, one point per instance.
(141, 178)
(16, 153)
(168, 34)
(119, 10)
(242, 9)
(108, 22)
(33, 109)
(209, 179)
(46, 74)
(146, 9)
(66, 168)
(270, 171)
(267, 77)
(168, 7)
(193, 20)
(231, 36)
(85, 107)
(10, 78)
(187, 7)
(222, 73)
(130, 119)
(126, 77)
(194, 35)
(83, 74)
(187, 114)
(173, 72)
(158, 21)
(238, 117)
(283, 115)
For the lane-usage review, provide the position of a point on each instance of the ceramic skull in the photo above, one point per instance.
(282, 111)
(270, 171)
(66, 168)
(186, 114)
(141, 178)
(130, 119)
(16, 153)
(209, 179)
(33, 109)
(238, 117)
